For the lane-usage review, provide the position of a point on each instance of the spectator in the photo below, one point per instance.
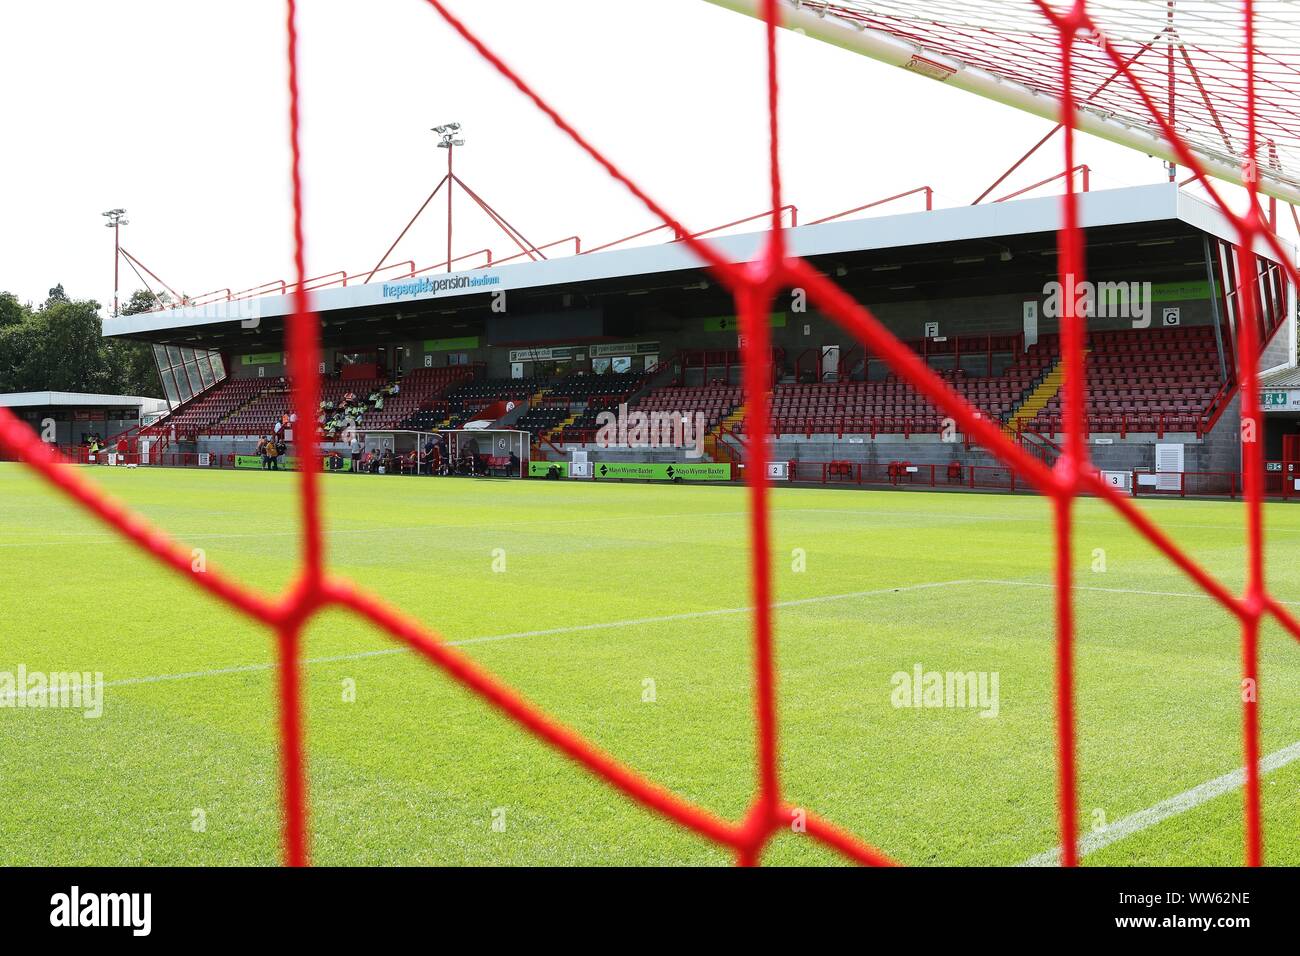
(261, 452)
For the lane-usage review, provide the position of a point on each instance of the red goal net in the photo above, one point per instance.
(1056, 34)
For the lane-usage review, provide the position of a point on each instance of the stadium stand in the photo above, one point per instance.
(554, 401)
(1150, 380)
(544, 419)
(209, 408)
(594, 388)
(463, 401)
(244, 406)
(714, 402)
(257, 417)
(419, 388)
(890, 406)
(1136, 377)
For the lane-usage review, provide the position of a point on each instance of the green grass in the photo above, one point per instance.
(412, 771)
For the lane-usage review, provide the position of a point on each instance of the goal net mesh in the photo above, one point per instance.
(1068, 55)
(1187, 56)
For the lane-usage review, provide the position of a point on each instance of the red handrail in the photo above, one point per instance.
(635, 235)
(794, 221)
(334, 277)
(577, 250)
(343, 278)
(262, 289)
(929, 204)
(198, 299)
(444, 263)
(1216, 408)
(409, 263)
(1082, 167)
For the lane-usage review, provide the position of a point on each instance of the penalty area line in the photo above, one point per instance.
(543, 632)
(1174, 806)
(1181, 803)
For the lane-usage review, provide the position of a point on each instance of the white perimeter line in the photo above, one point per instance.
(1187, 800)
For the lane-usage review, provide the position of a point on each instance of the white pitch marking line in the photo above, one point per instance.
(1084, 587)
(1187, 800)
(573, 629)
(1119, 830)
(633, 622)
(97, 537)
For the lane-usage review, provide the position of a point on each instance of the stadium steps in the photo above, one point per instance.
(522, 409)
(730, 422)
(714, 441)
(537, 396)
(557, 433)
(1037, 400)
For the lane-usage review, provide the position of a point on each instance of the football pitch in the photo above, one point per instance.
(622, 610)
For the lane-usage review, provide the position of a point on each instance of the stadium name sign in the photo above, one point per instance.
(428, 285)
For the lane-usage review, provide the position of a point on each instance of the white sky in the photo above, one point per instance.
(177, 111)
